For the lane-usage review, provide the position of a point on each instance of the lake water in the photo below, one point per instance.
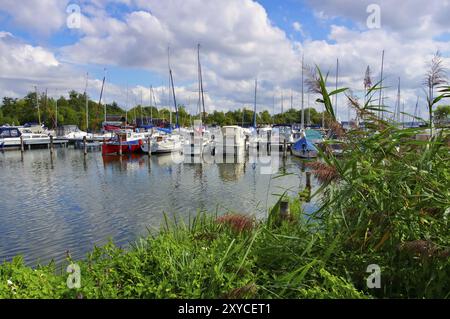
(50, 205)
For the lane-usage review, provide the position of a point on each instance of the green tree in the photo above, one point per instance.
(265, 117)
(442, 112)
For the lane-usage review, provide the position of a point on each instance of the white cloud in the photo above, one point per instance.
(297, 26)
(36, 16)
(238, 44)
(412, 18)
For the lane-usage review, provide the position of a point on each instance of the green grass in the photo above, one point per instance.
(207, 259)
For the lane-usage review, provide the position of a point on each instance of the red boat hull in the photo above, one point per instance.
(128, 147)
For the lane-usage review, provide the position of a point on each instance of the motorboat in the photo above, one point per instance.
(231, 140)
(9, 137)
(12, 136)
(282, 133)
(197, 141)
(71, 133)
(36, 138)
(259, 136)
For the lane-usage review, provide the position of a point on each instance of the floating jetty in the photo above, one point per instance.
(28, 144)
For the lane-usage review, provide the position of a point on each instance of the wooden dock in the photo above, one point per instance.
(39, 143)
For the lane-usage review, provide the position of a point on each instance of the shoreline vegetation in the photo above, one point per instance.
(385, 202)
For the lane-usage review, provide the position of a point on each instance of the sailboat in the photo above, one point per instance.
(253, 136)
(304, 148)
(199, 139)
(165, 141)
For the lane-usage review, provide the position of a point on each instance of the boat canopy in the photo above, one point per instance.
(6, 132)
(304, 145)
(313, 135)
(165, 130)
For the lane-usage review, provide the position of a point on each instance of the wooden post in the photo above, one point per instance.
(120, 145)
(149, 148)
(308, 179)
(84, 145)
(51, 144)
(284, 210)
(21, 144)
(103, 143)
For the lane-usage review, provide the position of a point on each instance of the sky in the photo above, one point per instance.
(56, 45)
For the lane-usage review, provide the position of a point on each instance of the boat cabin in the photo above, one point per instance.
(66, 129)
(9, 132)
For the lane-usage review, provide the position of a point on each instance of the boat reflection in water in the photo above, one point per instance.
(124, 162)
(231, 172)
(166, 159)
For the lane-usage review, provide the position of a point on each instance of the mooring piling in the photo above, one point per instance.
(120, 145)
(84, 146)
(22, 148)
(308, 179)
(51, 144)
(284, 209)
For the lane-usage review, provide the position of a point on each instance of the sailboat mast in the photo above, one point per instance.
(151, 101)
(46, 99)
(101, 95)
(403, 114)
(273, 106)
(126, 108)
(397, 109)
(56, 110)
(87, 102)
(381, 86)
(37, 104)
(308, 121)
(254, 110)
(142, 114)
(134, 110)
(174, 98)
(200, 84)
(303, 96)
(415, 110)
(292, 100)
(336, 96)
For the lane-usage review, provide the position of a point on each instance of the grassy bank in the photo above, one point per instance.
(231, 256)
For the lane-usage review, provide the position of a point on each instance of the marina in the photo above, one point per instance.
(224, 150)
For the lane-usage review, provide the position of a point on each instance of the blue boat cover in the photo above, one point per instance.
(304, 145)
(165, 130)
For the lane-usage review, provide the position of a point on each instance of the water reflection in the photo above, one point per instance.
(231, 172)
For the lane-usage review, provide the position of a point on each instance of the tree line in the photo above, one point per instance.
(52, 112)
